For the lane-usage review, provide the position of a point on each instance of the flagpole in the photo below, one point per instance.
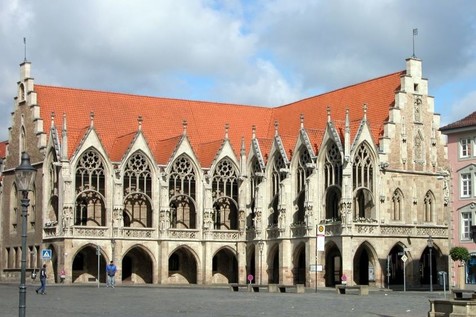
(415, 32)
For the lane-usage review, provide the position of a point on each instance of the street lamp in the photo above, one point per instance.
(430, 247)
(24, 179)
(260, 246)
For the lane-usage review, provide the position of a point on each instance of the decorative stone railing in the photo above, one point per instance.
(226, 235)
(401, 230)
(187, 234)
(299, 230)
(49, 232)
(138, 233)
(250, 234)
(273, 233)
(87, 232)
(334, 229)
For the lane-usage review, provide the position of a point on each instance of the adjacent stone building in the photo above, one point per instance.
(180, 191)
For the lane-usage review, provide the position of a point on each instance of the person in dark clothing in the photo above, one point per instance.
(42, 289)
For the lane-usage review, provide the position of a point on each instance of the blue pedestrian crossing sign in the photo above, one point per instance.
(46, 254)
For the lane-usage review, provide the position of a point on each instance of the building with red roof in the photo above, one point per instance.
(195, 192)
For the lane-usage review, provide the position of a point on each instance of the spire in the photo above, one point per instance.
(243, 149)
(184, 125)
(347, 136)
(365, 111)
(276, 126)
(52, 120)
(302, 120)
(64, 139)
(328, 114)
(139, 121)
(253, 131)
(347, 121)
(227, 126)
(91, 117)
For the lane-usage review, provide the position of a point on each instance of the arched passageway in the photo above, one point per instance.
(86, 266)
(333, 267)
(224, 267)
(394, 267)
(182, 267)
(299, 265)
(363, 265)
(137, 267)
(273, 266)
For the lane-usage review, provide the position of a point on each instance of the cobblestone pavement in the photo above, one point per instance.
(122, 301)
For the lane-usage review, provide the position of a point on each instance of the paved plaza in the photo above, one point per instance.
(122, 301)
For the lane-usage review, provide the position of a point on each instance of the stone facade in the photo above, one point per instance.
(178, 211)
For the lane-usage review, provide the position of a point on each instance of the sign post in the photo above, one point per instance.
(46, 254)
(320, 245)
(404, 259)
(99, 262)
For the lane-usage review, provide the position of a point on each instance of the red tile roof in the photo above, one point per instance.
(468, 121)
(116, 118)
(3, 149)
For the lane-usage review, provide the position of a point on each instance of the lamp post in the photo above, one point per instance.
(24, 178)
(260, 246)
(430, 247)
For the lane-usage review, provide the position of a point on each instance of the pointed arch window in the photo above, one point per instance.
(333, 166)
(53, 187)
(333, 181)
(303, 172)
(363, 169)
(429, 206)
(363, 179)
(397, 200)
(225, 196)
(14, 203)
(279, 174)
(182, 193)
(137, 182)
(22, 139)
(255, 180)
(90, 190)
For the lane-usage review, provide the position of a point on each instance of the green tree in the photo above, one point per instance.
(459, 254)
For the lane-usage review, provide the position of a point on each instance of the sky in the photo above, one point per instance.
(265, 53)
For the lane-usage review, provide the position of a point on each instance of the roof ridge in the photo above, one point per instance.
(401, 72)
(153, 97)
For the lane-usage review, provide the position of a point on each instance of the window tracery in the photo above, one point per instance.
(429, 205)
(182, 191)
(302, 174)
(397, 200)
(225, 196)
(278, 174)
(137, 182)
(90, 190)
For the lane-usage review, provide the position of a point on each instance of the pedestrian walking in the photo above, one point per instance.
(110, 275)
(42, 289)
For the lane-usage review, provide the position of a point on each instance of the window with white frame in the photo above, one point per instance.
(465, 185)
(464, 148)
(474, 146)
(466, 220)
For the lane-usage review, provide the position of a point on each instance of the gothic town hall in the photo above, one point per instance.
(195, 192)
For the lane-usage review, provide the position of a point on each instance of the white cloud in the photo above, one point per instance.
(264, 85)
(256, 52)
(463, 107)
